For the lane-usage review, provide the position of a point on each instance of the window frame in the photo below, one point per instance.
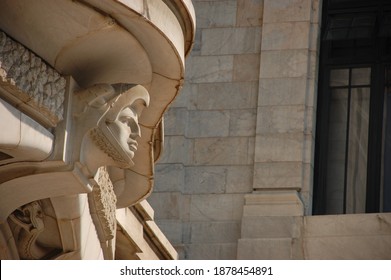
(377, 59)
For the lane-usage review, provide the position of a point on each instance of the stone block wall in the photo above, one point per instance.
(207, 164)
(243, 124)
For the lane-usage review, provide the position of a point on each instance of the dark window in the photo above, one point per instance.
(353, 137)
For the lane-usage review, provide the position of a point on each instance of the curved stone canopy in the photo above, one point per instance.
(108, 42)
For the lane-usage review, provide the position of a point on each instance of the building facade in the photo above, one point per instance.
(83, 89)
(279, 145)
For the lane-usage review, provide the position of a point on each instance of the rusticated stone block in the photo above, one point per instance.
(31, 80)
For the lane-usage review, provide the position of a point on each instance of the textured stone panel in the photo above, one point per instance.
(32, 80)
(287, 10)
(186, 96)
(221, 41)
(180, 150)
(219, 251)
(239, 179)
(285, 63)
(172, 229)
(279, 147)
(280, 119)
(175, 121)
(273, 203)
(271, 227)
(265, 249)
(282, 91)
(376, 247)
(314, 37)
(286, 35)
(209, 69)
(274, 175)
(215, 13)
(215, 232)
(246, 68)
(223, 151)
(216, 207)
(225, 96)
(250, 13)
(316, 11)
(242, 122)
(166, 205)
(348, 225)
(169, 177)
(211, 179)
(208, 124)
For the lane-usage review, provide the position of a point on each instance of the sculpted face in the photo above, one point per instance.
(126, 129)
(118, 130)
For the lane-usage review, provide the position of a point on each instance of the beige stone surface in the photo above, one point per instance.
(176, 120)
(215, 232)
(26, 139)
(271, 227)
(280, 119)
(265, 249)
(162, 200)
(284, 63)
(246, 67)
(203, 69)
(273, 203)
(250, 13)
(287, 10)
(359, 236)
(279, 147)
(239, 179)
(216, 251)
(181, 149)
(210, 179)
(173, 229)
(223, 41)
(275, 175)
(215, 13)
(242, 122)
(282, 91)
(226, 96)
(348, 248)
(286, 35)
(170, 177)
(213, 207)
(208, 124)
(218, 151)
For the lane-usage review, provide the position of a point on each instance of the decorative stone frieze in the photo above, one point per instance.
(102, 201)
(31, 80)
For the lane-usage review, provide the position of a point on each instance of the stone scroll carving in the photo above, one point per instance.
(28, 224)
(31, 80)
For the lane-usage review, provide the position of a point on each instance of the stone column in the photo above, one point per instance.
(283, 161)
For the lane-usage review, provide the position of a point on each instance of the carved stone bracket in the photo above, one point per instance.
(26, 224)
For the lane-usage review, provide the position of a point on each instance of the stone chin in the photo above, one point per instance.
(107, 142)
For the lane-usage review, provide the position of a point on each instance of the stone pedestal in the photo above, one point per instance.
(271, 226)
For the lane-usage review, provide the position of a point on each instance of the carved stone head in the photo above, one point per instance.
(115, 110)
